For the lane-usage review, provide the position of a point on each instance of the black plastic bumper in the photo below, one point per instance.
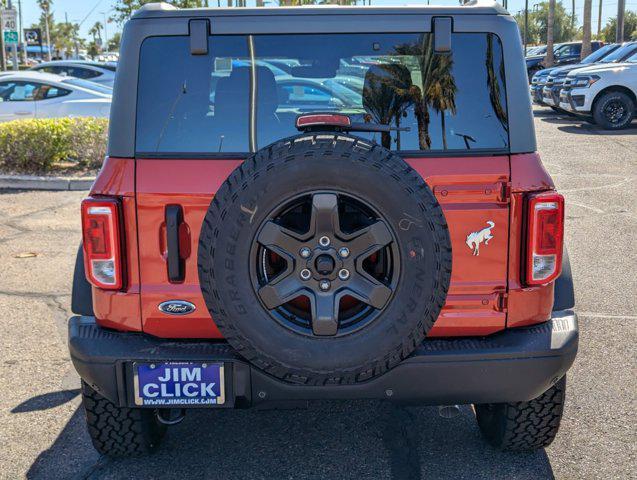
(514, 365)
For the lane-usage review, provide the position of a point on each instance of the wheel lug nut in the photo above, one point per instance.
(305, 274)
(324, 285)
(343, 252)
(343, 274)
(305, 252)
(324, 241)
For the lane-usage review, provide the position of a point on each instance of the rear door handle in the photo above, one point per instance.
(23, 112)
(174, 218)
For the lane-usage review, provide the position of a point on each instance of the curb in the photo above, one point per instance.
(32, 182)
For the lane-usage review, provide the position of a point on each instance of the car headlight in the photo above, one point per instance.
(584, 81)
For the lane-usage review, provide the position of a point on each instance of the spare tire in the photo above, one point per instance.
(324, 259)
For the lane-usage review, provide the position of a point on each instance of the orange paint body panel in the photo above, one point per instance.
(485, 294)
(121, 310)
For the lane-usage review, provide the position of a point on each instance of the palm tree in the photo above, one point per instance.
(586, 38)
(96, 31)
(550, 59)
(387, 94)
(441, 90)
(494, 85)
(45, 6)
(423, 52)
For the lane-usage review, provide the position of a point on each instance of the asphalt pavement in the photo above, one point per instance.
(42, 433)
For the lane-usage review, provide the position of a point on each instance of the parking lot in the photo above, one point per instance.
(42, 433)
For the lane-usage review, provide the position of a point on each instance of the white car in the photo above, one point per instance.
(606, 92)
(43, 95)
(101, 73)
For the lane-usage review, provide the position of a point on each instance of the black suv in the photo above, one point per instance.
(564, 54)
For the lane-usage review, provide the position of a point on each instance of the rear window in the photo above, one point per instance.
(248, 91)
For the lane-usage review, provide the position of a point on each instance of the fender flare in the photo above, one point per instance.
(82, 294)
(564, 290)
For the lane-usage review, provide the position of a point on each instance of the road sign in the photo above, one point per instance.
(10, 26)
(33, 37)
(10, 37)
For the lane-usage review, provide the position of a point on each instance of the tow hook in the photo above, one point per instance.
(448, 411)
(170, 419)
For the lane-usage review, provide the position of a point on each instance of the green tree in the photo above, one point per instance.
(65, 38)
(46, 22)
(563, 29)
(114, 42)
(630, 28)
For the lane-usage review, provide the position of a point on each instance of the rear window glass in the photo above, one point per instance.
(248, 91)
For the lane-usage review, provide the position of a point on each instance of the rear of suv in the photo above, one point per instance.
(334, 203)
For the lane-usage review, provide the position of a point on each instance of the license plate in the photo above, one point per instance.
(179, 384)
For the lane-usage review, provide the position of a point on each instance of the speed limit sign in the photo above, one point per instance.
(9, 26)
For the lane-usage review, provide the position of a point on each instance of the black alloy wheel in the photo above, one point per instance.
(613, 110)
(325, 263)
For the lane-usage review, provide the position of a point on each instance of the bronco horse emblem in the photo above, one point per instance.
(474, 239)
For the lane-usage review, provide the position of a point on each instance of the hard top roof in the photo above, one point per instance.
(165, 10)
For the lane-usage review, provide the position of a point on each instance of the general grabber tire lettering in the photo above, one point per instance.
(119, 431)
(523, 426)
(324, 259)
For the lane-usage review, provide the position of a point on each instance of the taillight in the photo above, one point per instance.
(545, 238)
(102, 248)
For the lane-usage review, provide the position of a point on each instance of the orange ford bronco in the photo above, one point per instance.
(322, 203)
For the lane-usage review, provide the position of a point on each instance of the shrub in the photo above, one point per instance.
(37, 145)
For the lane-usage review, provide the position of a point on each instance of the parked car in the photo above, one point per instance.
(537, 50)
(43, 95)
(556, 77)
(608, 93)
(564, 54)
(238, 254)
(102, 73)
(608, 53)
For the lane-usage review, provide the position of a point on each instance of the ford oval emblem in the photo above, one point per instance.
(177, 307)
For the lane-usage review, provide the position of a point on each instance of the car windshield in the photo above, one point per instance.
(632, 59)
(621, 53)
(96, 87)
(537, 50)
(248, 90)
(599, 54)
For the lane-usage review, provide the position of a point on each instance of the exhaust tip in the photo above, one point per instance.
(171, 416)
(448, 411)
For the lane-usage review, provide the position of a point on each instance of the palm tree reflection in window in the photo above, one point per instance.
(387, 94)
(494, 84)
(438, 87)
(389, 91)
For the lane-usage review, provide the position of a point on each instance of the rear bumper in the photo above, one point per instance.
(514, 365)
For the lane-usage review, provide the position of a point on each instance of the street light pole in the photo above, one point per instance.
(526, 25)
(105, 32)
(21, 33)
(46, 29)
(14, 46)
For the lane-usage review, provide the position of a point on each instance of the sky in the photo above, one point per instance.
(90, 11)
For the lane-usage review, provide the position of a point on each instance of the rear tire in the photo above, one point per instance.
(523, 426)
(120, 431)
(613, 111)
